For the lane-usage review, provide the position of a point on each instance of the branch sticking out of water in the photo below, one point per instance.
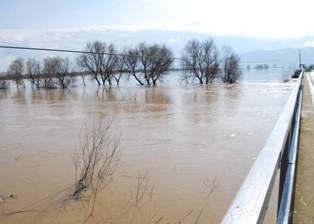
(96, 161)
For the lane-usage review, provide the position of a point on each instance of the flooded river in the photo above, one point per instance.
(190, 145)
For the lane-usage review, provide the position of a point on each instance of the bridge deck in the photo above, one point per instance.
(304, 191)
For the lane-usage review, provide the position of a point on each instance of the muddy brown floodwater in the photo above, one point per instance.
(194, 143)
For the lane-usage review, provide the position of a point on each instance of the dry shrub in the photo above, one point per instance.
(96, 160)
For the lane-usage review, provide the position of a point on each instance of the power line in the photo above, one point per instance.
(50, 49)
(105, 53)
(72, 51)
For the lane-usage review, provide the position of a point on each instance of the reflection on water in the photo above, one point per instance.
(53, 95)
(196, 144)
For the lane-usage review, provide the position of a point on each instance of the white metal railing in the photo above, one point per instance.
(251, 202)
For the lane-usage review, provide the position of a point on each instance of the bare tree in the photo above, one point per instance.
(80, 69)
(211, 65)
(199, 61)
(120, 67)
(96, 162)
(147, 63)
(16, 70)
(231, 71)
(91, 60)
(49, 69)
(109, 63)
(100, 60)
(154, 62)
(132, 62)
(57, 72)
(33, 72)
(3, 83)
(145, 57)
(63, 78)
(161, 61)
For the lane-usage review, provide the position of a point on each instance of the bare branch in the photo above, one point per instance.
(231, 66)
(199, 61)
(96, 163)
(184, 217)
(16, 70)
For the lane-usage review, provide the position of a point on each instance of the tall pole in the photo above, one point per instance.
(300, 59)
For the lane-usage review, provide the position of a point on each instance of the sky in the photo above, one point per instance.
(245, 25)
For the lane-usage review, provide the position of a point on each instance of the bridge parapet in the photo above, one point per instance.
(279, 153)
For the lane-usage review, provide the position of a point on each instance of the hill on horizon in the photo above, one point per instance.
(277, 58)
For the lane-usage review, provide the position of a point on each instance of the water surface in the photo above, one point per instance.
(196, 144)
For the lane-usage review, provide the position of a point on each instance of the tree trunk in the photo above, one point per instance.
(201, 81)
(97, 81)
(138, 80)
(109, 81)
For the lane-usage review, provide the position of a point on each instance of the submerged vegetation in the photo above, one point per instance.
(3, 84)
(201, 62)
(95, 162)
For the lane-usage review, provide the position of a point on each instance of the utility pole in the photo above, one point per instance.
(300, 62)
(300, 65)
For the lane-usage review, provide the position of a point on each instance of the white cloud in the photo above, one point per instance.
(250, 24)
(252, 18)
(158, 1)
(257, 19)
(309, 44)
(174, 40)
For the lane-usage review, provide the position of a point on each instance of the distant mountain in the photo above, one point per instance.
(286, 56)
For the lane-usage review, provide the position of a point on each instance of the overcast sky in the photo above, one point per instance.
(70, 24)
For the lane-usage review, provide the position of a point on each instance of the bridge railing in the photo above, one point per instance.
(251, 202)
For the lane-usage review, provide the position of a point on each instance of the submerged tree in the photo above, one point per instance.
(96, 161)
(63, 78)
(109, 63)
(131, 61)
(145, 58)
(120, 69)
(99, 60)
(57, 72)
(231, 70)
(161, 61)
(16, 70)
(91, 59)
(33, 72)
(3, 83)
(49, 69)
(199, 61)
(148, 63)
(80, 70)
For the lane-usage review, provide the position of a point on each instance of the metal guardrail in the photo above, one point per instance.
(251, 202)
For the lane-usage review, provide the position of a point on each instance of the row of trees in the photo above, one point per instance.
(51, 73)
(200, 62)
(262, 66)
(146, 63)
